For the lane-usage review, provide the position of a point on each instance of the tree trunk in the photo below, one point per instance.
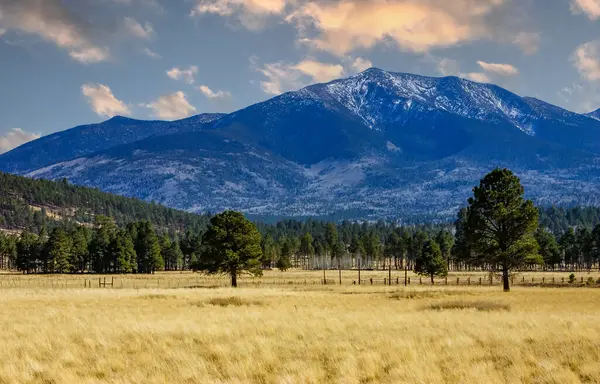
(234, 279)
(432, 280)
(505, 280)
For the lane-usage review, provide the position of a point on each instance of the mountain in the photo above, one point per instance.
(86, 139)
(376, 145)
(594, 115)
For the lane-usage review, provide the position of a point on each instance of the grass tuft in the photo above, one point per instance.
(486, 306)
(232, 301)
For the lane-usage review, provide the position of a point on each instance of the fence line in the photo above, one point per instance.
(332, 277)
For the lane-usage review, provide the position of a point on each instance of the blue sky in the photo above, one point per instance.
(68, 62)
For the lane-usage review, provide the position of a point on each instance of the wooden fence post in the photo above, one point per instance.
(421, 280)
(390, 274)
(480, 281)
(358, 271)
(458, 281)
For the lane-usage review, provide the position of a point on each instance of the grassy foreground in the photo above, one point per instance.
(300, 334)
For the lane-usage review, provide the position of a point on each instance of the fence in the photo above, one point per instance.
(290, 278)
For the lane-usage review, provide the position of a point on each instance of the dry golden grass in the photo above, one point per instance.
(311, 334)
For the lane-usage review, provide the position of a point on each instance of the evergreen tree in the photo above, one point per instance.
(332, 240)
(232, 246)
(501, 224)
(147, 249)
(123, 252)
(79, 250)
(27, 251)
(446, 241)
(283, 263)
(306, 246)
(58, 250)
(549, 249)
(461, 250)
(431, 262)
(568, 246)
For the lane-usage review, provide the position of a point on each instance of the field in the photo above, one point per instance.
(299, 333)
(171, 280)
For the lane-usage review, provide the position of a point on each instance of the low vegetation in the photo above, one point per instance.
(299, 334)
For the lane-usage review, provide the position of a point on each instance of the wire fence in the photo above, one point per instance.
(333, 278)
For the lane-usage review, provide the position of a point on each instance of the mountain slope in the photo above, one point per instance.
(378, 144)
(86, 139)
(22, 200)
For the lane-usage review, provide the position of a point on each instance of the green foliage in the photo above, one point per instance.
(571, 278)
(501, 224)
(431, 262)
(147, 249)
(59, 250)
(27, 252)
(123, 252)
(232, 246)
(549, 249)
(79, 204)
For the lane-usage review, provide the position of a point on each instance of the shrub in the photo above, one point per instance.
(590, 281)
(571, 278)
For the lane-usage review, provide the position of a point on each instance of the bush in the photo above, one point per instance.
(590, 281)
(571, 278)
(598, 281)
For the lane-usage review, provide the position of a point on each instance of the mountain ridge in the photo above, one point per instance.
(375, 145)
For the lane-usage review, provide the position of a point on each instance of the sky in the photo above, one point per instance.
(65, 63)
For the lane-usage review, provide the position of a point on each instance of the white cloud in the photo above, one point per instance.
(320, 72)
(150, 53)
(590, 7)
(172, 107)
(528, 42)
(499, 69)
(252, 14)
(449, 67)
(15, 138)
(586, 59)
(51, 20)
(209, 93)
(103, 102)
(581, 97)
(476, 76)
(283, 77)
(413, 25)
(360, 64)
(187, 75)
(136, 29)
(2, 32)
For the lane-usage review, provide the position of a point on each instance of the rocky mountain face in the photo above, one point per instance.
(375, 145)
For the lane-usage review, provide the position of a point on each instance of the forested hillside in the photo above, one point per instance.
(33, 204)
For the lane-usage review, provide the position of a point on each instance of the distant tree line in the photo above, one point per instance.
(498, 230)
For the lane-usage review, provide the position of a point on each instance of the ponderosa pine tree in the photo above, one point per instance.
(283, 262)
(123, 252)
(147, 249)
(446, 241)
(27, 251)
(501, 224)
(79, 250)
(58, 250)
(549, 249)
(232, 246)
(431, 261)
